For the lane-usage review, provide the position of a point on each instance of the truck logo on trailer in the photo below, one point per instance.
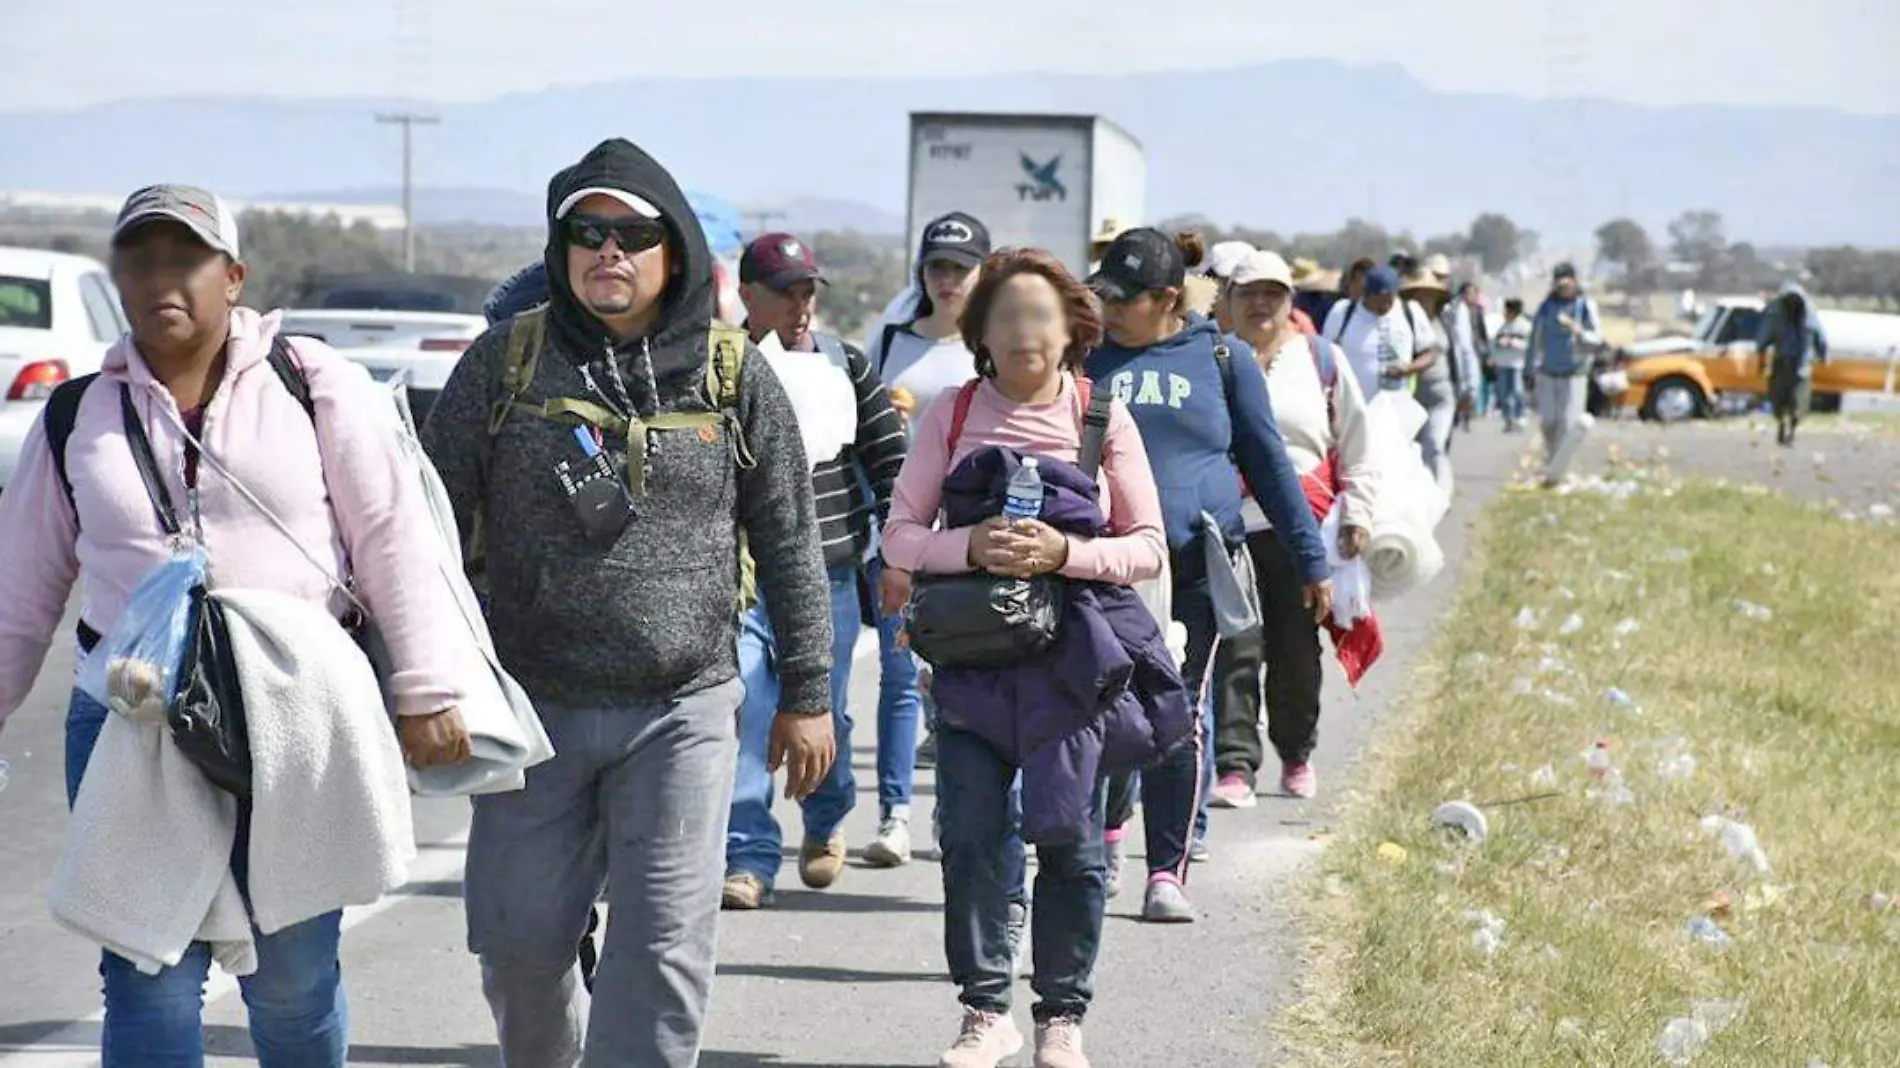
(1043, 185)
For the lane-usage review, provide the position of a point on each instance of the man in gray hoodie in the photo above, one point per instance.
(610, 480)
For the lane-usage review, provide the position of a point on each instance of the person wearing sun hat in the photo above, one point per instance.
(1437, 384)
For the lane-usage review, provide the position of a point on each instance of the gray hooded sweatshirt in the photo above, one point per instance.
(654, 614)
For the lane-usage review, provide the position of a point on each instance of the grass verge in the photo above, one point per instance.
(1792, 724)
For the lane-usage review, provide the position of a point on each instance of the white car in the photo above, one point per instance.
(351, 329)
(58, 316)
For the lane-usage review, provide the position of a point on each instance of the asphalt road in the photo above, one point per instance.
(853, 976)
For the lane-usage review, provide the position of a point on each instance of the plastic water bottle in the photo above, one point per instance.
(1023, 498)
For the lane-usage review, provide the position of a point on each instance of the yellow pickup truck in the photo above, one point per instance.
(1715, 369)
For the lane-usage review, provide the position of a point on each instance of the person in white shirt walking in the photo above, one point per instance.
(1321, 411)
(1507, 364)
(1385, 342)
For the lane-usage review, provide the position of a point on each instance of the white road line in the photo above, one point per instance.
(77, 1044)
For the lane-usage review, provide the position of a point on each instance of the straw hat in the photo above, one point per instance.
(1422, 280)
(1113, 227)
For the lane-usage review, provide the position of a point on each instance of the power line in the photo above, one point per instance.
(762, 218)
(408, 120)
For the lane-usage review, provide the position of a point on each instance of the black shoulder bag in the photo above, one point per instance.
(980, 620)
(206, 717)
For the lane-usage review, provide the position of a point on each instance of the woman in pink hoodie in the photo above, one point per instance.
(195, 368)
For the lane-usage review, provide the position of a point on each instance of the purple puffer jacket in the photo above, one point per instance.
(1107, 697)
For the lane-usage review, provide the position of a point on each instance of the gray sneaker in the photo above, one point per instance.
(1197, 851)
(1018, 938)
(1112, 861)
(1166, 902)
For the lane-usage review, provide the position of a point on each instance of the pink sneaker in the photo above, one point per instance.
(1233, 791)
(1298, 780)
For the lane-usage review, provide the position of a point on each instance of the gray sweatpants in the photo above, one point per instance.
(1561, 400)
(635, 798)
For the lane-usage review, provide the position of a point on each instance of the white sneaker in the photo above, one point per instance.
(985, 1040)
(1059, 1044)
(891, 847)
(1112, 861)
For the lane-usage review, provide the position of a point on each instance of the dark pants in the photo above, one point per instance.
(982, 874)
(1171, 789)
(1287, 650)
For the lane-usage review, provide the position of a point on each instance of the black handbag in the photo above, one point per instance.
(980, 620)
(206, 718)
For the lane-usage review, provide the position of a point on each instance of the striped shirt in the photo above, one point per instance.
(845, 511)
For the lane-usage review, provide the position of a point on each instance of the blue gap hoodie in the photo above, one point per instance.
(1173, 389)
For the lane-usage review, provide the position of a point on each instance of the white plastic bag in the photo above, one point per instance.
(1352, 582)
(134, 668)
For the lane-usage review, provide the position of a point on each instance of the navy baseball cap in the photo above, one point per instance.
(778, 261)
(1380, 281)
(1139, 261)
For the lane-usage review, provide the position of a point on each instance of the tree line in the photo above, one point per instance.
(1704, 257)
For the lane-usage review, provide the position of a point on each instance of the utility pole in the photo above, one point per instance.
(761, 218)
(408, 120)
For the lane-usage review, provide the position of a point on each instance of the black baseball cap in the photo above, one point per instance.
(958, 237)
(778, 261)
(1137, 262)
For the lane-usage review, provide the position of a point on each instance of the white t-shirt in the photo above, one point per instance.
(1375, 342)
(924, 366)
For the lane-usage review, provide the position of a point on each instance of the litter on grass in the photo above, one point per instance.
(1544, 776)
(1626, 627)
(1708, 932)
(1462, 821)
(1527, 618)
(1751, 610)
(1571, 625)
(1488, 937)
(1391, 853)
(1739, 842)
(1685, 1036)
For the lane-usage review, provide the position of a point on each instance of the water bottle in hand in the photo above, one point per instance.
(1023, 499)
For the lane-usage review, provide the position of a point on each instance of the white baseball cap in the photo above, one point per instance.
(1225, 256)
(640, 205)
(1262, 266)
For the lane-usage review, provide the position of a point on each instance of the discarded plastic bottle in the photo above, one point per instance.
(1681, 1039)
(1598, 761)
(1023, 498)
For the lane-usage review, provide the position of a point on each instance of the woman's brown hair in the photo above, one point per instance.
(1078, 305)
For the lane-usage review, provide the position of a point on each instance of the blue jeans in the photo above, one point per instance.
(753, 838)
(982, 875)
(298, 1011)
(900, 708)
(1510, 390)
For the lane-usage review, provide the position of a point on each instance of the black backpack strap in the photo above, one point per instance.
(61, 413)
(147, 463)
(1094, 431)
(1346, 319)
(284, 362)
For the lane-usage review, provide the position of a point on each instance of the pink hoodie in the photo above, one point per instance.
(344, 487)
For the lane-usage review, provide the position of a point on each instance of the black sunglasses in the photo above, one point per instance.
(632, 235)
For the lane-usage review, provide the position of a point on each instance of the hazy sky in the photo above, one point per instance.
(66, 53)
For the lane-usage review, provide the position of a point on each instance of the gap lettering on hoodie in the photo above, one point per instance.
(1123, 386)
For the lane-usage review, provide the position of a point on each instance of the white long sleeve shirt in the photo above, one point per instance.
(1311, 432)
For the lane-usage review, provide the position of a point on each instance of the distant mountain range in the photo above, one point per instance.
(1294, 146)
